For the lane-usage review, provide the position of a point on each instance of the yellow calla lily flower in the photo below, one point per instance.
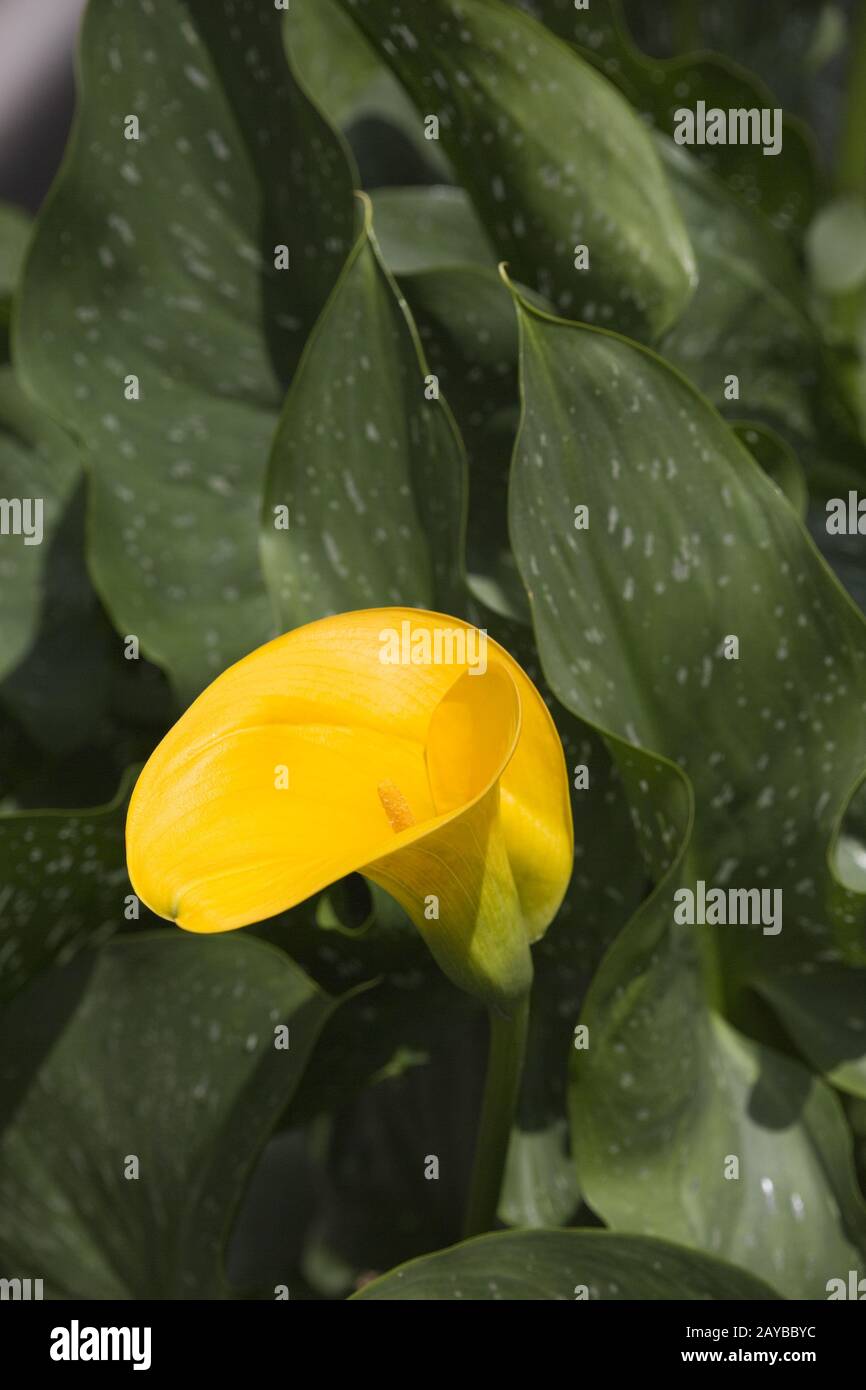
(395, 742)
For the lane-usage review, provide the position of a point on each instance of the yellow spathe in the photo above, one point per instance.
(330, 750)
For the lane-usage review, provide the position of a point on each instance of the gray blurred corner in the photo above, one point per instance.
(37, 93)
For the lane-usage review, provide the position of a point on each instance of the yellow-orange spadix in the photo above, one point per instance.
(395, 742)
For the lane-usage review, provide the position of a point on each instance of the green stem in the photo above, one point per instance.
(714, 977)
(501, 1087)
(851, 160)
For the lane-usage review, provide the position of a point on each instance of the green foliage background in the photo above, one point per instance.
(305, 387)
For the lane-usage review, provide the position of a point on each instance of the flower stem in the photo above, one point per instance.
(501, 1087)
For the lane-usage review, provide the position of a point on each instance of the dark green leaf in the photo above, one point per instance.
(545, 176)
(823, 1008)
(348, 81)
(783, 186)
(778, 461)
(429, 229)
(743, 765)
(749, 316)
(365, 494)
(685, 1128)
(334, 61)
(169, 1058)
(83, 703)
(64, 886)
(381, 1205)
(432, 240)
(155, 257)
(566, 1265)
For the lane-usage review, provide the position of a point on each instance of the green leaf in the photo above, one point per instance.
(392, 1017)
(544, 176)
(749, 315)
(379, 1208)
(671, 1097)
(778, 461)
(843, 553)
(50, 616)
(736, 770)
(335, 63)
(365, 495)
(348, 82)
(155, 257)
(468, 332)
(823, 1009)
(70, 634)
(784, 187)
(75, 736)
(432, 241)
(429, 229)
(669, 608)
(169, 1057)
(784, 41)
(64, 886)
(565, 1265)
(39, 468)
